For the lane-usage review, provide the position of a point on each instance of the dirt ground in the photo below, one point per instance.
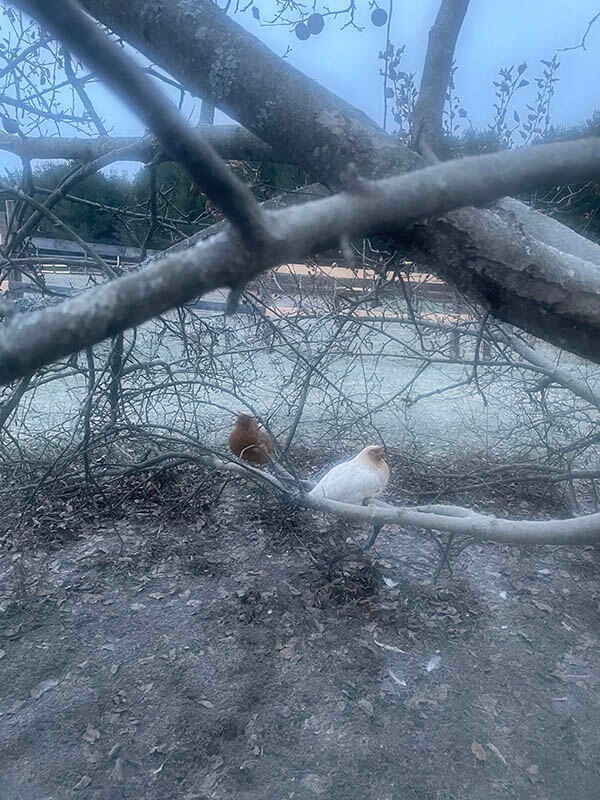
(210, 652)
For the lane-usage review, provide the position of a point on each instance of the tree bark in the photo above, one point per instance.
(429, 109)
(503, 258)
(216, 59)
(232, 142)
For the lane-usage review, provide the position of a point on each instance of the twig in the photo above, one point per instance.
(79, 86)
(478, 341)
(581, 44)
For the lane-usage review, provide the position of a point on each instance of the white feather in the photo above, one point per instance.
(350, 482)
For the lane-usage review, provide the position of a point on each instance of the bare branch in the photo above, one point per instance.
(105, 268)
(57, 116)
(79, 86)
(563, 377)
(231, 142)
(439, 517)
(23, 55)
(217, 60)
(453, 519)
(78, 174)
(581, 44)
(429, 109)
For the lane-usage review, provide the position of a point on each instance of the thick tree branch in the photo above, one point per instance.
(463, 521)
(429, 109)
(231, 142)
(499, 259)
(217, 60)
(31, 340)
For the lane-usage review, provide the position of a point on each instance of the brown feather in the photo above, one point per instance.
(250, 442)
(374, 456)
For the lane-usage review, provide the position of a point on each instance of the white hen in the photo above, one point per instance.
(365, 475)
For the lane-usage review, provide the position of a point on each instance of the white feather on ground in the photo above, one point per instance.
(351, 482)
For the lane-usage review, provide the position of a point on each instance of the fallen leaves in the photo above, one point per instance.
(397, 681)
(91, 734)
(543, 606)
(366, 706)
(495, 750)
(389, 647)
(90, 599)
(83, 782)
(314, 783)
(478, 751)
(43, 687)
(487, 703)
(13, 631)
(422, 700)
(434, 663)
(533, 773)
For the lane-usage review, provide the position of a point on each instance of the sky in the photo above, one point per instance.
(494, 35)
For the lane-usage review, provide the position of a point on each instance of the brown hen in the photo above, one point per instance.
(250, 441)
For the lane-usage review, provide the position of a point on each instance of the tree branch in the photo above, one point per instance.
(105, 268)
(508, 261)
(57, 116)
(438, 517)
(429, 109)
(217, 60)
(79, 86)
(231, 142)
(31, 340)
(463, 521)
(562, 377)
(582, 44)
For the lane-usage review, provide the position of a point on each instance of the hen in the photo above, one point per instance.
(250, 441)
(365, 475)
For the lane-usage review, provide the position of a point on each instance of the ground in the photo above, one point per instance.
(196, 649)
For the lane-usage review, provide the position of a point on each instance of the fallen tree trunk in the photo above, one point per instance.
(539, 277)
(30, 341)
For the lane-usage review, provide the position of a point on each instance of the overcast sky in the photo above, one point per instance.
(494, 35)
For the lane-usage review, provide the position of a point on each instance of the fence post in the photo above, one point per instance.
(14, 276)
(455, 344)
